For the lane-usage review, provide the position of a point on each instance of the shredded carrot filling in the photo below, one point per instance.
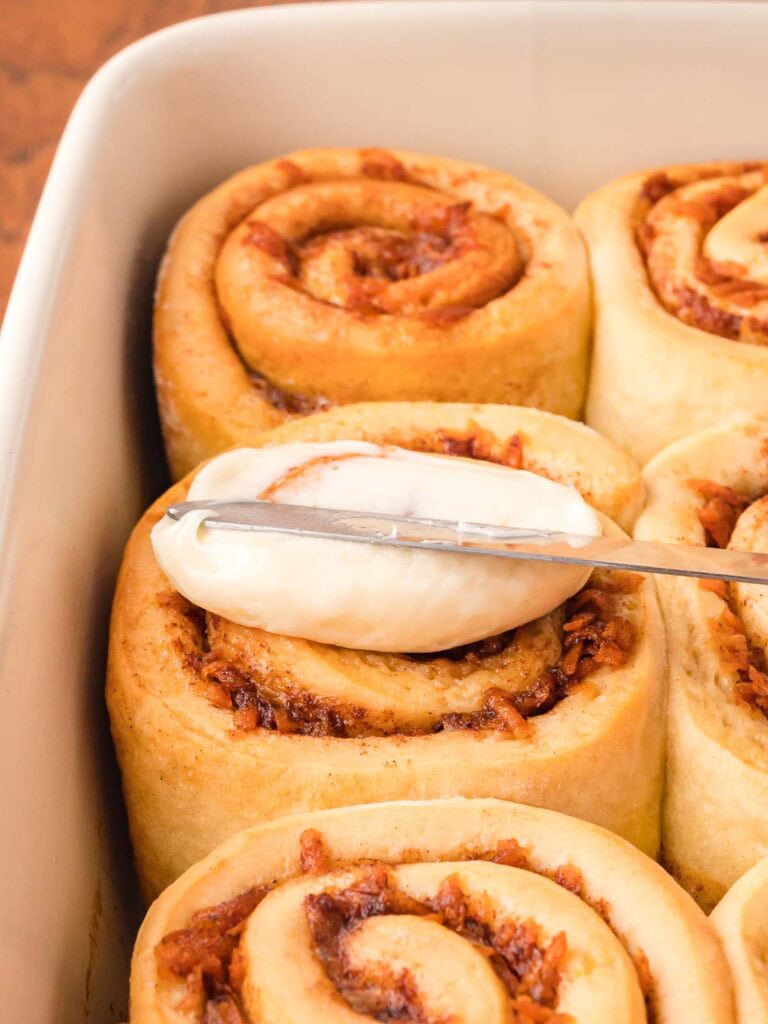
(719, 516)
(721, 511)
(207, 957)
(478, 443)
(528, 968)
(716, 297)
(595, 635)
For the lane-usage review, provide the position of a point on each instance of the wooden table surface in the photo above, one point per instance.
(48, 51)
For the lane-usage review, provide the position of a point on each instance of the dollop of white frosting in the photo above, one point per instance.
(361, 595)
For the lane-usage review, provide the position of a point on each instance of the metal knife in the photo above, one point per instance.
(480, 539)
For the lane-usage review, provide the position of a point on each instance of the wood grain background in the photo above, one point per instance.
(48, 51)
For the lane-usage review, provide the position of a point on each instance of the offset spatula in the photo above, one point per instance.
(480, 539)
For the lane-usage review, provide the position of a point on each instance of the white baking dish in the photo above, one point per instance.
(564, 94)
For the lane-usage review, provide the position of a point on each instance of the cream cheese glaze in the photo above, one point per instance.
(360, 595)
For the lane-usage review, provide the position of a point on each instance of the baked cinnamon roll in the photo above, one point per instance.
(680, 267)
(741, 920)
(460, 910)
(229, 717)
(712, 488)
(342, 275)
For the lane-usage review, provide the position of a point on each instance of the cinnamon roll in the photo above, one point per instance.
(460, 910)
(220, 724)
(712, 488)
(341, 275)
(680, 267)
(741, 919)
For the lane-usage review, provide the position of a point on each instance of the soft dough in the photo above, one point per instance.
(741, 920)
(346, 275)
(620, 941)
(219, 726)
(713, 486)
(681, 301)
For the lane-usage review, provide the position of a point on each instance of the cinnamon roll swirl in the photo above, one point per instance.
(680, 266)
(712, 488)
(462, 910)
(341, 275)
(221, 725)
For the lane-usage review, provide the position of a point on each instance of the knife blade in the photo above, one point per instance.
(480, 539)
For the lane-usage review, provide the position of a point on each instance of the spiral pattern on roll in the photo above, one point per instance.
(465, 911)
(679, 263)
(298, 687)
(342, 275)
(703, 232)
(712, 488)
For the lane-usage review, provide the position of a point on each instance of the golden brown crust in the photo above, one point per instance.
(681, 332)
(345, 275)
